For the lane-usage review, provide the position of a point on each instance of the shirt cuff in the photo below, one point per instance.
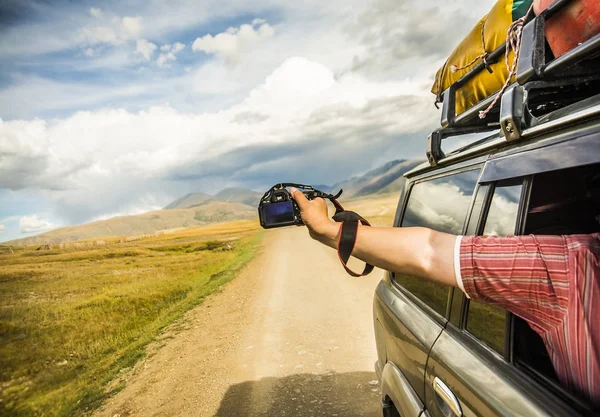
(457, 273)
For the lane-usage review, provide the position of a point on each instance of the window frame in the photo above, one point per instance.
(524, 369)
(403, 203)
(525, 183)
(506, 361)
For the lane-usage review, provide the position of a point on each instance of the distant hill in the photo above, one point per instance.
(197, 209)
(239, 195)
(145, 223)
(385, 179)
(229, 195)
(190, 200)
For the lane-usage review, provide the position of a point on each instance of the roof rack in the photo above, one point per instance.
(542, 85)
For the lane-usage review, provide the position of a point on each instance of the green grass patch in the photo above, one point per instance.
(70, 320)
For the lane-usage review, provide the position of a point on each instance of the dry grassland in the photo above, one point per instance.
(71, 319)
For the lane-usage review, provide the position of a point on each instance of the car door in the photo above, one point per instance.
(410, 312)
(488, 362)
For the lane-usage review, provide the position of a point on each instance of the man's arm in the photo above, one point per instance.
(414, 250)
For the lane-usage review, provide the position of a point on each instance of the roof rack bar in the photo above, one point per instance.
(573, 55)
(537, 78)
(434, 150)
(577, 117)
(554, 8)
(473, 112)
(532, 56)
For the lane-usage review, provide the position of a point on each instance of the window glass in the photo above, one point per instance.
(441, 204)
(562, 202)
(488, 323)
(502, 215)
(485, 321)
(565, 202)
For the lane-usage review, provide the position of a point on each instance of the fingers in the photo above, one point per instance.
(299, 197)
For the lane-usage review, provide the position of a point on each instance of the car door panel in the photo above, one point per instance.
(409, 333)
(484, 384)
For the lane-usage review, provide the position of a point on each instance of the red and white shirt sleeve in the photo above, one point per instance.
(553, 283)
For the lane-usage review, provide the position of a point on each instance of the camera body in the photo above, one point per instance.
(277, 208)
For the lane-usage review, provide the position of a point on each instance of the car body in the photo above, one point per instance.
(441, 354)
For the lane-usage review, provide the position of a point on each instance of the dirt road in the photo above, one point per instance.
(292, 336)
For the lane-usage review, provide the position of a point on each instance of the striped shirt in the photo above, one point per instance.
(553, 283)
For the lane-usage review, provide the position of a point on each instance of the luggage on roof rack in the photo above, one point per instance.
(574, 24)
(487, 35)
(544, 82)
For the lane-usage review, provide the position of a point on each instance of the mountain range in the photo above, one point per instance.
(228, 195)
(384, 179)
(196, 209)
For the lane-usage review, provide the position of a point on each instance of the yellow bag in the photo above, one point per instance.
(485, 37)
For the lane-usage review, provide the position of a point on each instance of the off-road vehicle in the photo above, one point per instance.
(532, 167)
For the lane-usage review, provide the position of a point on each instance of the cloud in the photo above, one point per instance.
(131, 27)
(99, 34)
(299, 120)
(394, 33)
(33, 224)
(178, 47)
(105, 125)
(145, 48)
(168, 53)
(1, 228)
(234, 42)
(25, 160)
(96, 12)
(111, 31)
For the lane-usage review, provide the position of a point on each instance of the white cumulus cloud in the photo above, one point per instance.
(1, 228)
(131, 27)
(235, 41)
(169, 53)
(178, 47)
(96, 12)
(145, 48)
(116, 158)
(114, 31)
(33, 224)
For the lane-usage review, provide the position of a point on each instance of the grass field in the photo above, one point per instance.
(72, 319)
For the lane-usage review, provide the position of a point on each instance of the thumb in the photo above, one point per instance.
(299, 197)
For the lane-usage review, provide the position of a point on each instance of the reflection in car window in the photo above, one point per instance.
(485, 321)
(439, 204)
(502, 216)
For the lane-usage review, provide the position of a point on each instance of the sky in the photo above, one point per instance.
(119, 107)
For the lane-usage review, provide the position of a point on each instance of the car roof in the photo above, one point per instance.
(579, 122)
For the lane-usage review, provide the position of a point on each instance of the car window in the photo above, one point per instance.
(561, 202)
(440, 204)
(485, 321)
(502, 215)
(565, 202)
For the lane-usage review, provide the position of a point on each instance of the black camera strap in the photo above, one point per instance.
(347, 236)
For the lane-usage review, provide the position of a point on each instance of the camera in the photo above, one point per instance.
(277, 208)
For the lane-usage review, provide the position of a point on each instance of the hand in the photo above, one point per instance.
(315, 216)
